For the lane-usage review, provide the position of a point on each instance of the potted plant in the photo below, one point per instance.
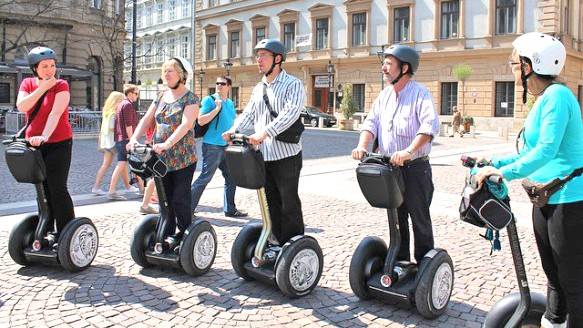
(467, 121)
(348, 108)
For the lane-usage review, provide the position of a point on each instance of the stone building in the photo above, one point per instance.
(344, 36)
(87, 36)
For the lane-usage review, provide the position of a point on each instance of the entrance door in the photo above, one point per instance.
(320, 95)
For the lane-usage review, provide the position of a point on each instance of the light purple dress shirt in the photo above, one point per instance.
(397, 120)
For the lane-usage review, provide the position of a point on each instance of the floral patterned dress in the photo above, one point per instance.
(168, 117)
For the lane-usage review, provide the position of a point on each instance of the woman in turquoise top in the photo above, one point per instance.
(553, 138)
(173, 114)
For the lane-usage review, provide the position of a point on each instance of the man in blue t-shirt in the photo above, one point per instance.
(218, 111)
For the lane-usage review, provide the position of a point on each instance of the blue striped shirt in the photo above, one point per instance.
(287, 96)
(396, 119)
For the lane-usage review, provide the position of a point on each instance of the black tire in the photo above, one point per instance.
(200, 238)
(438, 270)
(78, 244)
(370, 249)
(244, 247)
(21, 236)
(314, 122)
(502, 311)
(141, 239)
(305, 248)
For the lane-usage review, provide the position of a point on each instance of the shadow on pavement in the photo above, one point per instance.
(100, 285)
(240, 222)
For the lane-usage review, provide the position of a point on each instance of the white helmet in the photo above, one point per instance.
(186, 66)
(546, 52)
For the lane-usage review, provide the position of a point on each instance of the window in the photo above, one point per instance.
(289, 36)
(129, 13)
(234, 51)
(580, 96)
(149, 12)
(212, 91)
(211, 47)
(171, 48)
(358, 29)
(159, 12)
(505, 16)
(504, 99)
(358, 95)
(401, 28)
(184, 47)
(95, 4)
(139, 18)
(212, 3)
(171, 10)
(186, 8)
(448, 97)
(449, 19)
(259, 34)
(148, 53)
(116, 7)
(160, 51)
(235, 96)
(4, 93)
(322, 33)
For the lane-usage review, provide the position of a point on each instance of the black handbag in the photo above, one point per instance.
(292, 134)
(24, 162)
(481, 208)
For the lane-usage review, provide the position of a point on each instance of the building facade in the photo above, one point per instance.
(336, 43)
(87, 37)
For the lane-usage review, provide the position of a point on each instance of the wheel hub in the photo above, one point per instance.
(204, 249)
(442, 285)
(304, 269)
(83, 245)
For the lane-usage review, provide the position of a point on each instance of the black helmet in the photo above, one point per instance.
(38, 54)
(405, 54)
(273, 45)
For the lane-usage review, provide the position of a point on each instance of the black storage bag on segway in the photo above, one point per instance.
(381, 184)
(25, 163)
(246, 166)
(480, 207)
(147, 165)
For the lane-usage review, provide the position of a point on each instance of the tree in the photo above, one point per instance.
(348, 106)
(462, 72)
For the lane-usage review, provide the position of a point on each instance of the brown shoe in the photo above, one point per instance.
(148, 210)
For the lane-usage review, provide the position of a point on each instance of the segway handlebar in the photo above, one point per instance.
(377, 156)
(471, 162)
(239, 137)
(14, 139)
(142, 149)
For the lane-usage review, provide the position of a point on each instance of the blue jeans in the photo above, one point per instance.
(213, 158)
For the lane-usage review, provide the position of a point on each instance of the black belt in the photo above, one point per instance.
(416, 161)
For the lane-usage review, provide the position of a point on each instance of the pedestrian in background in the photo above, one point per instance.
(456, 123)
(145, 207)
(106, 142)
(218, 111)
(126, 121)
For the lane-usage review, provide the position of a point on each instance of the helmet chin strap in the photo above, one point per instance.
(394, 81)
(272, 67)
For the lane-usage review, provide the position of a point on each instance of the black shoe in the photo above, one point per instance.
(236, 214)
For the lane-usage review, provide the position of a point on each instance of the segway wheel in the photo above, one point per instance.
(78, 244)
(300, 267)
(435, 286)
(368, 258)
(199, 248)
(503, 310)
(21, 236)
(244, 247)
(142, 238)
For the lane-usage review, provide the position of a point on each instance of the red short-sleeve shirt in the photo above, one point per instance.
(63, 130)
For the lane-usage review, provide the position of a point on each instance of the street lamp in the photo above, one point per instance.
(330, 69)
(381, 55)
(228, 66)
(200, 79)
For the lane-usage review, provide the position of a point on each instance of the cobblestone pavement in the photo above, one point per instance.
(117, 292)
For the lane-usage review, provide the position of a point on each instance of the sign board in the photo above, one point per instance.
(304, 40)
(504, 104)
(322, 81)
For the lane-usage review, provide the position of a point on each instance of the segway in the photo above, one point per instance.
(151, 245)
(479, 207)
(374, 269)
(35, 239)
(295, 267)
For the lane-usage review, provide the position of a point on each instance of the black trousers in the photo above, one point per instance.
(418, 196)
(281, 188)
(177, 189)
(559, 237)
(57, 157)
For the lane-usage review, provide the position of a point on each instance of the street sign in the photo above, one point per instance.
(304, 40)
(321, 81)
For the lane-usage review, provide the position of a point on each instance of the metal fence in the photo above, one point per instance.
(82, 123)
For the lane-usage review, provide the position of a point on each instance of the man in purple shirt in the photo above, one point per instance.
(403, 121)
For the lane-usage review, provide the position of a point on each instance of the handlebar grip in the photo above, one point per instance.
(495, 179)
(239, 137)
(11, 140)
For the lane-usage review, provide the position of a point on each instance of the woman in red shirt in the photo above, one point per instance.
(49, 129)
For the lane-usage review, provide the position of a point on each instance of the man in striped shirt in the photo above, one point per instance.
(283, 161)
(403, 121)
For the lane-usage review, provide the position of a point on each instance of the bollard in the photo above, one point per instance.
(443, 129)
(321, 122)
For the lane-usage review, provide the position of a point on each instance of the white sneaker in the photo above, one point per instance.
(132, 189)
(115, 196)
(545, 323)
(98, 191)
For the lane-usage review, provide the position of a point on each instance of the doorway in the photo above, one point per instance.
(321, 92)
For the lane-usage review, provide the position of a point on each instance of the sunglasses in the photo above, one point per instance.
(221, 83)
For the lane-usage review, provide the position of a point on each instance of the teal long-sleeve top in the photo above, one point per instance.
(553, 144)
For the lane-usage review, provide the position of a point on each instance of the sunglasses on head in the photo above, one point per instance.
(221, 83)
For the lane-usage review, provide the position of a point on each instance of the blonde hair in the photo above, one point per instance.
(177, 67)
(114, 98)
